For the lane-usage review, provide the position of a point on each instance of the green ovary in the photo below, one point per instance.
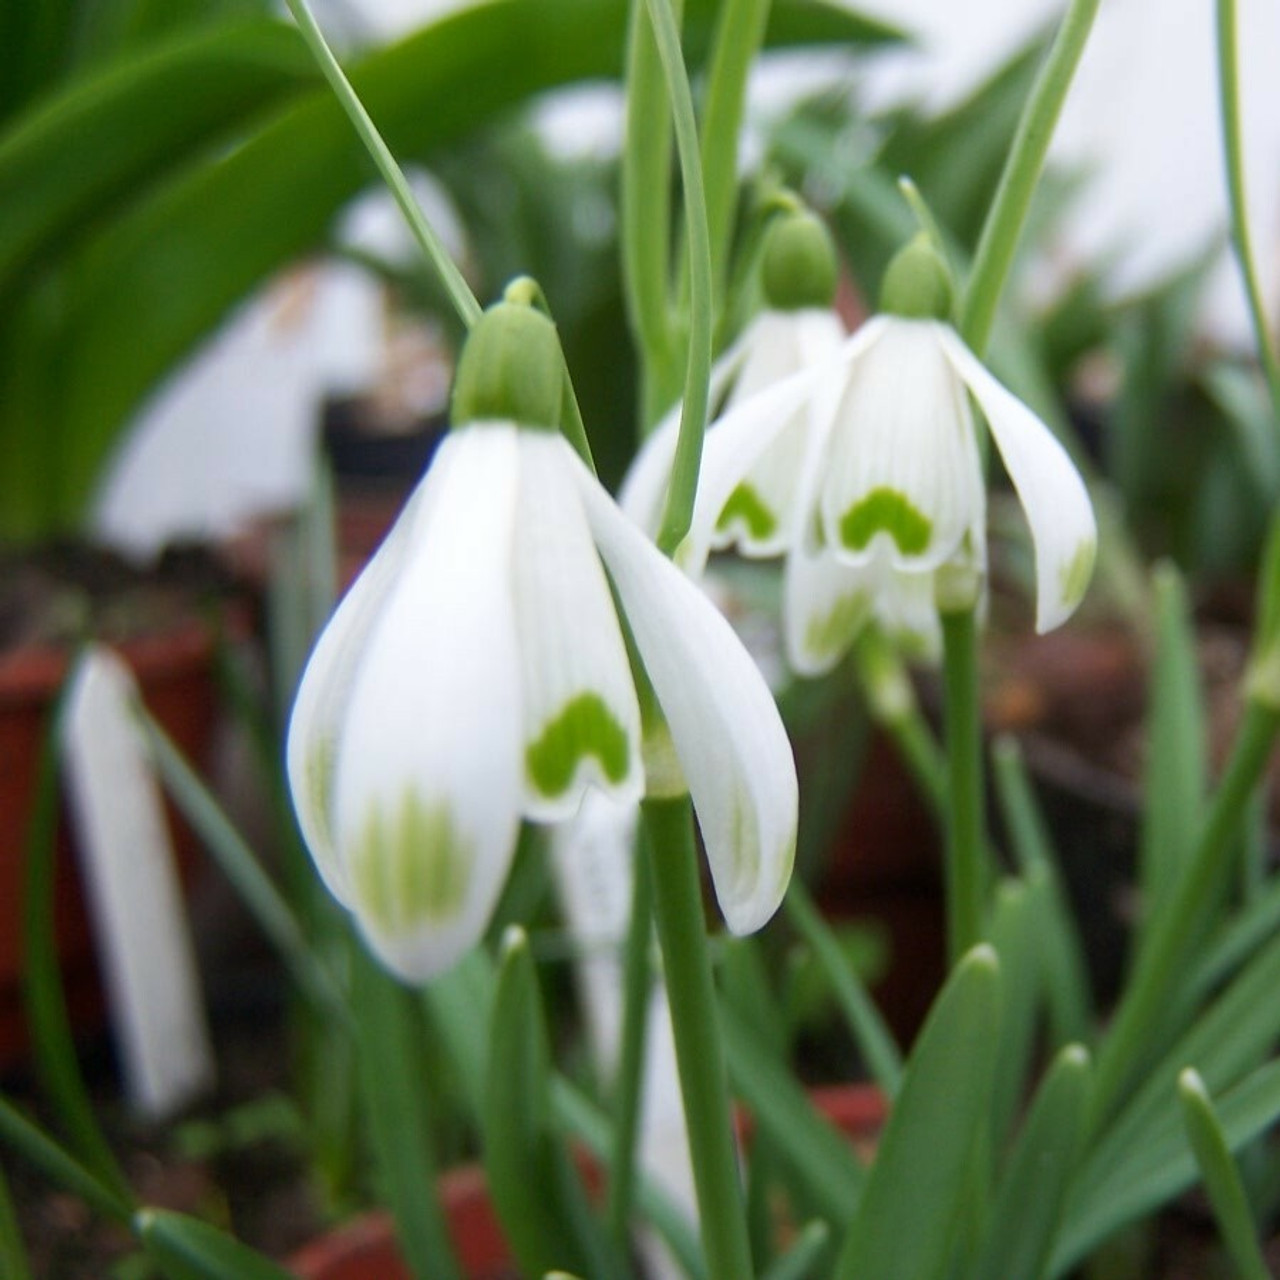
(833, 632)
(411, 866)
(586, 727)
(1078, 571)
(746, 505)
(888, 511)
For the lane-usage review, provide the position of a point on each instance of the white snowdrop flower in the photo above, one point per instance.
(477, 673)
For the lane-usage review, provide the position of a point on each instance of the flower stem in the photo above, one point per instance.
(636, 987)
(1233, 149)
(1169, 944)
(437, 255)
(965, 865)
(693, 413)
(1008, 212)
(677, 893)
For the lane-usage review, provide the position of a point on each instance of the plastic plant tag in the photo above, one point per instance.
(126, 860)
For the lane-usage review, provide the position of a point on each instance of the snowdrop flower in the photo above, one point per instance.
(478, 673)
(887, 517)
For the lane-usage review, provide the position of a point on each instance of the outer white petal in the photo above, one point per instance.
(428, 769)
(904, 473)
(1050, 488)
(723, 721)
(644, 488)
(577, 683)
(325, 687)
(825, 603)
(761, 514)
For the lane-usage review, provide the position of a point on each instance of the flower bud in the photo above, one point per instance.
(799, 264)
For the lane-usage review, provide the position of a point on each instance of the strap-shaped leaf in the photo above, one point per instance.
(188, 1249)
(535, 1188)
(102, 140)
(907, 1219)
(1028, 1205)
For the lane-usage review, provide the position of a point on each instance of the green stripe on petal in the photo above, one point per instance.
(585, 728)
(1076, 574)
(828, 635)
(746, 505)
(410, 867)
(890, 511)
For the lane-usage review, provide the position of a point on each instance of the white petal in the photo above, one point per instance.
(325, 686)
(905, 608)
(643, 493)
(825, 603)
(581, 718)
(723, 721)
(1050, 488)
(904, 474)
(428, 768)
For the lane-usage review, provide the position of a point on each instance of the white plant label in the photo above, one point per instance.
(135, 901)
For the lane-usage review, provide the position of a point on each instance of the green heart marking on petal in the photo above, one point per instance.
(832, 633)
(886, 510)
(411, 867)
(586, 727)
(746, 505)
(1077, 572)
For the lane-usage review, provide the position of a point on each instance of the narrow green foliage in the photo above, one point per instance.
(13, 1256)
(805, 1255)
(188, 1249)
(396, 1102)
(1176, 768)
(909, 1215)
(1029, 1198)
(1221, 1178)
(1013, 934)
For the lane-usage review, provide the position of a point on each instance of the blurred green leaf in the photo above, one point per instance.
(188, 1249)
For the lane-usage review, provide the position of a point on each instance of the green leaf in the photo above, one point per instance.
(1032, 1190)
(396, 1104)
(535, 1189)
(103, 140)
(1013, 933)
(805, 1254)
(1176, 771)
(1221, 1178)
(193, 1250)
(13, 1256)
(909, 1213)
(819, 1160)
(172, 267)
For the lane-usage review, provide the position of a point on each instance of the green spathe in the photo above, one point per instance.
(586, 727)
(747, 506)
(799, 263)
(917, 283)
(890, 511)
(510, 370)
(411, 865)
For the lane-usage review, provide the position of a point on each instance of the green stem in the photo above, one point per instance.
(437, 255)
(646, 215)
(1233, 147)
(704, 1085)
(636, 988)
(1168, 948)
(1008, 212)
(965, 870)
(693, 412)
(739, 34)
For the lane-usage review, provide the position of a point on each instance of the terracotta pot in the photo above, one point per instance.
(175, 673)
(365, 1249)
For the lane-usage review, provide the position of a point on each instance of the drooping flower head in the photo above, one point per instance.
(887, 516)
(478, 673)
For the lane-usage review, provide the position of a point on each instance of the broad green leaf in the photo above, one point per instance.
(104, 139)
(819, 1160)
(534, 1186)
(909, 1214)
(169, 270)
(396, 1107)
(1176, 770)
(1014, 934)
(189, 1249)
(1221, 1178)
(1029, 1198)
